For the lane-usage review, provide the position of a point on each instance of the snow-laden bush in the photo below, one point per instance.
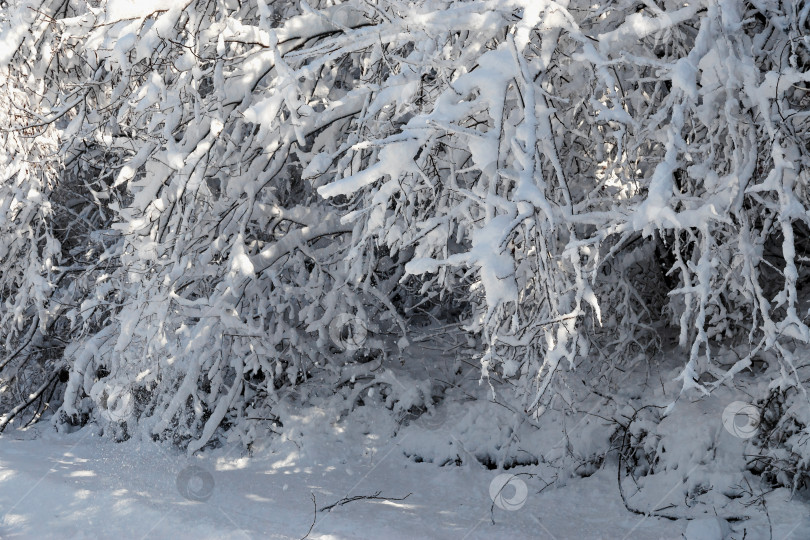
(220, 180)
(29, 223)
(215, 274)
(561, 147)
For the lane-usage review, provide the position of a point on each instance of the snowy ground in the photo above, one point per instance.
(85, 487)
(81, 486)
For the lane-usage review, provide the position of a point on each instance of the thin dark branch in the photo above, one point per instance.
(375, 497)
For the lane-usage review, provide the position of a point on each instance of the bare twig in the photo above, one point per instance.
(314, 516)
(375, 497)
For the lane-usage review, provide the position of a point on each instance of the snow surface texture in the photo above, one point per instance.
(82, 486)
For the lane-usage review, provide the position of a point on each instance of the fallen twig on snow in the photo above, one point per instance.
(376, 496)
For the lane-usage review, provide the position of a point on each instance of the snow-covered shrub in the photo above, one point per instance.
(560, 146)
(779, 452)
(564, 178)
(229, 266)
(215, 276)
(30, 248)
